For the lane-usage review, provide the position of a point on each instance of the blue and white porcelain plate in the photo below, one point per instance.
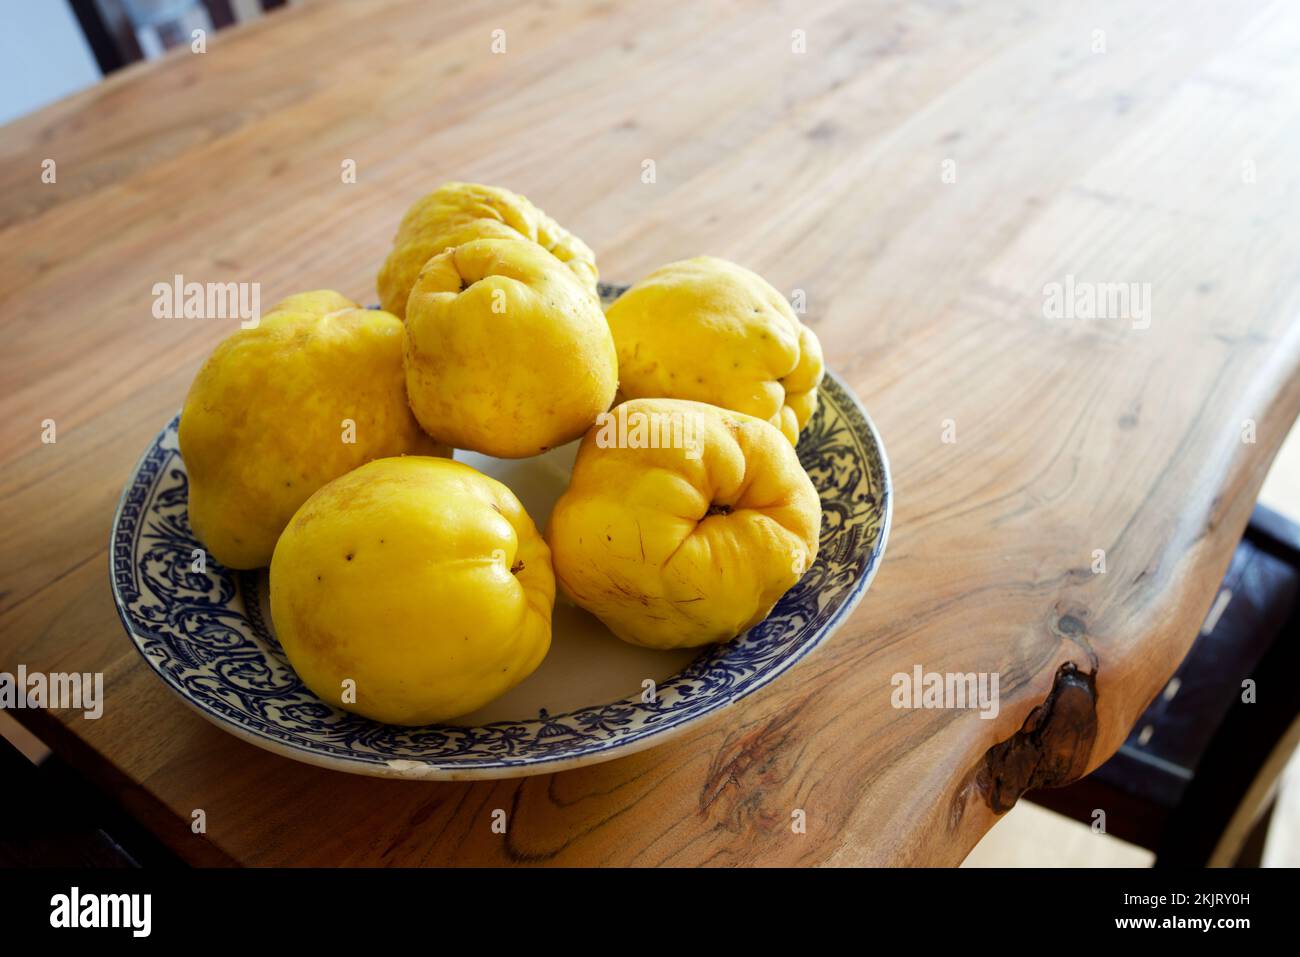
(208, 634)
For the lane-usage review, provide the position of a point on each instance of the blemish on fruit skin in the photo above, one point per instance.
(517, 567)
(348, 556)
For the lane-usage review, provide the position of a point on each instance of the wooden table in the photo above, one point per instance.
(923, 172)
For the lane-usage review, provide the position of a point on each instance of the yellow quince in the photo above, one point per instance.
(683, 523)
(312, 391)
(709, 330)
(412, 590)
(506, 353)
(456, 213)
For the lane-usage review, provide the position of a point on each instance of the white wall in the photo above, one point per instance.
(43, 55)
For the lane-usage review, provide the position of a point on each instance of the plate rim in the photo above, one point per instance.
(519, 767)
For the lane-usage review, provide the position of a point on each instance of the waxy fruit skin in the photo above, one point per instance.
(506, 353)
(420, 581)
(456, 213)
(709, 330)
(679, 547)
(263, 426)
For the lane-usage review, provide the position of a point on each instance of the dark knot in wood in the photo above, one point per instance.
(1051, 748)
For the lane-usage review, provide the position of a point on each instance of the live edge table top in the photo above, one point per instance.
(932, 176)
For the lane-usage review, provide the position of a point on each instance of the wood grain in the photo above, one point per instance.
(1168, 159)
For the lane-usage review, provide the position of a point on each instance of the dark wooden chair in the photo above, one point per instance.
(51, 816)
(1195, 778)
